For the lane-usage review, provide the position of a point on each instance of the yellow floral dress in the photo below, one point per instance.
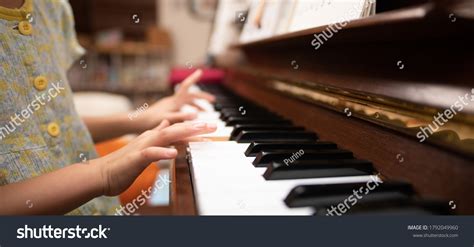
(40, 130)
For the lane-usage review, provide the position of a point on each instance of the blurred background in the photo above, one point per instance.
(133, 45)
(138, 48)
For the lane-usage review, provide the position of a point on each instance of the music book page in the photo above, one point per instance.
(262, 20)
(268, 18)
(314, 13)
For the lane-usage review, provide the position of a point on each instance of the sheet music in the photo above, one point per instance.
(225, 32)
(314, 13)
(269, 20)
(279, 17)
(286, 13)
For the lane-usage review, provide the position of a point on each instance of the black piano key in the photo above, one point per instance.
(237, 109)
(275, 135)
(219, 105)
(228, 116)
(232, 121)
(227, 112)
(234, 107)
(390, 207)
(214, 87)
(256, 147)
(246, 127)
(328, 195)
(232, 101)
(318, 169)
(264, 158)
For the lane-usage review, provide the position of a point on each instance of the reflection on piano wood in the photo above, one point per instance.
(345, 120)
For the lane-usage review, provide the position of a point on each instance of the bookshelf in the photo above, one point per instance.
(129, 66)
(123, 56)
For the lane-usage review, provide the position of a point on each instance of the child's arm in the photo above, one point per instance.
(63, 190)
(108, 127)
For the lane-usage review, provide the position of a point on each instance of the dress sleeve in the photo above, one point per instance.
(72, 49)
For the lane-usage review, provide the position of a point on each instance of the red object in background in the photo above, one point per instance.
(209, 75)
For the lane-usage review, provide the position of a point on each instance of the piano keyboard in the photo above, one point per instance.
(265, 165)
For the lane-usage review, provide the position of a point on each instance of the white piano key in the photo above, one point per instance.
(226, 183)
(209, 116)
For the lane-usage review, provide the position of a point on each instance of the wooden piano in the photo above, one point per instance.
(374, 88)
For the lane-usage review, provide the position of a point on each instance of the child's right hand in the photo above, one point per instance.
(120, 168)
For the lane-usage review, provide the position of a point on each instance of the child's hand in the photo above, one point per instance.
(167, 108)
(108, 127)
(119, 169)
(184, 97)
